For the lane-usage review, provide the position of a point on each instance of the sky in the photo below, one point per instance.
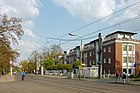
(43, 20)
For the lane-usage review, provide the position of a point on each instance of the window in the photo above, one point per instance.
(123, 36)
(93, 62)
(89, 62)
(124, 47)
(129, 71)
(90, 53)
(124, 59)
(109, 60)
(109, 49)
(104, 49)
(108, 71)
(124, 70)
(133, 48)
(130, 48)
(104, 60)
(85, 54)
(92, 45)
(130, 59)
(93, 52)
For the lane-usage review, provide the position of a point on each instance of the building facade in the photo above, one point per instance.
(120, 51)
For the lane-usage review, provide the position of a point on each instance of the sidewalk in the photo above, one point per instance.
(103, 80)
(7, 78)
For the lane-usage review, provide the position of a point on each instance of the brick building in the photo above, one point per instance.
(120, 51)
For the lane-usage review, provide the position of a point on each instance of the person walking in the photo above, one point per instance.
(23, 74)
(124, 77)
(117, 74)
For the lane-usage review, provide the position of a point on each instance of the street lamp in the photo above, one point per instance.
(81, 56)
(11, 63)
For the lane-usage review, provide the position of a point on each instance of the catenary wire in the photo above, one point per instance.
(105, 28)
(100, 19)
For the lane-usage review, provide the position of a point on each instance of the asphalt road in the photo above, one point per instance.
(43, 84)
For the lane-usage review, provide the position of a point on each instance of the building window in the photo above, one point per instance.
(90, 53)
(130, 48)
(124, 47)
(130, 59)
(92, 45)
(90, 63)
(93, 62)
(85, 55)
(129, 70)
(104, 60)
(109, 60)
(108, 71)
(133, 48)
(104, 49)
(125, 70)
(124, 59)
(93, 52)
(109, 49)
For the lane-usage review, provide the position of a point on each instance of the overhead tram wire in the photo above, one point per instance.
(76, 39)
(100, 19)
(105, 28)
(108, 27)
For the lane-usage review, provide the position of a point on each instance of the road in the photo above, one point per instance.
(43, 84)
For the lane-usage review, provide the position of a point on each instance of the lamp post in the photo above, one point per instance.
(11, 68)
(41, 66)
(81, 56)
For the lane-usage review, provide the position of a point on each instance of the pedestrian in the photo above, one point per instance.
(23, 74)
(124, 77)
(117, 74)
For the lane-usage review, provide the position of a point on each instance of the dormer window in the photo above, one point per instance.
(130, 37)
(123, 36)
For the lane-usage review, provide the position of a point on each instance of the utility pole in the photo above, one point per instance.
(99, 55)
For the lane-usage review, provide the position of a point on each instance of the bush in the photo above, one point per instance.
(131, 76)
(0, 71)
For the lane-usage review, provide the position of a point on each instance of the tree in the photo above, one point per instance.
(76, 64)
(48, 62)
(10, 29)
(34, 57)
(24, 65)
(56, 51)
(27, 65)
(10, 32)
(7, 55)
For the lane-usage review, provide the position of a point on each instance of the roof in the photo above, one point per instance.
(121, 32)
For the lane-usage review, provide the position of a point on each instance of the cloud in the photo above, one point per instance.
(29, 33)
(87, 9)
(27, 10)
(129, 12)
(95, 9)
(26, 47)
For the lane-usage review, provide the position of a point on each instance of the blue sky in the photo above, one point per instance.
(56, 18)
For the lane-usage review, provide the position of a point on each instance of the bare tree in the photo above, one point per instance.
(34, 57)
(10, 29)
